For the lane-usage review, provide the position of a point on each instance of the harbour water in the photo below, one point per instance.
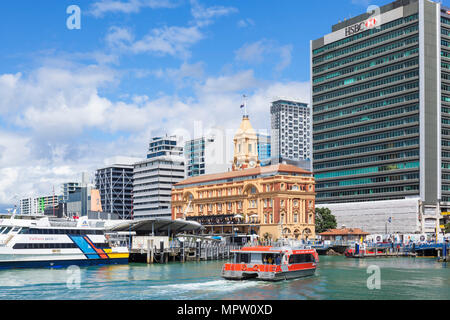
(335, 278)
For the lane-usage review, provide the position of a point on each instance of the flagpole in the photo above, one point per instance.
(245, 106)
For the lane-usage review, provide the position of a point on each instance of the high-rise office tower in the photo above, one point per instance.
(36, 206)
(381, 115)
(264, 149)
(207, 155)
(115, 184)
(291, 133)
(154, 177)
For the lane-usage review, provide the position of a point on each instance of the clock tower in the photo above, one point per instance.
(245, 146)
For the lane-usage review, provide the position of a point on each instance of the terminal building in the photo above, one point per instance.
(381, 118)
(273, 201)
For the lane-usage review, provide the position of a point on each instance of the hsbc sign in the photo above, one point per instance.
(362, 26)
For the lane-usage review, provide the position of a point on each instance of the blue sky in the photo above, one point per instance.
(69, 99)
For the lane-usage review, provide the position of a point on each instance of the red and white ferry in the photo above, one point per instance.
(271, 263)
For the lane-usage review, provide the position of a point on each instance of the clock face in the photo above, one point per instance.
(252, 164)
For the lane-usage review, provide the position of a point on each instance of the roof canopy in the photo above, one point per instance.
(157, 225)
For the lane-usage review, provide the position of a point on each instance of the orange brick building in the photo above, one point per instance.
(269, 201)
(273, 202)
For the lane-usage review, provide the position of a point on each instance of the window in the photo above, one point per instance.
(301, 258)
(7, 230)
(243, 258)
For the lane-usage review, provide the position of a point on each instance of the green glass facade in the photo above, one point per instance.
(366, 111)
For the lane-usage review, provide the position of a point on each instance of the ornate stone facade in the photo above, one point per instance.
(273, 202)
(267, 201)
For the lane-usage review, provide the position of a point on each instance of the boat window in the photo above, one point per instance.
(243, 258)
(301, 258)
(6, 230)
(256, 258)
(1, 229)
(16, 229)
(24, 230)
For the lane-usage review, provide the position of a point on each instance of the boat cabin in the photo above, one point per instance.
(272, 256)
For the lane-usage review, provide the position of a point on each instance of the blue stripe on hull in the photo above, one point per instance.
(61, 263)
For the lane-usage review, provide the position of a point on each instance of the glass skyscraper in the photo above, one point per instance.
(381, 108)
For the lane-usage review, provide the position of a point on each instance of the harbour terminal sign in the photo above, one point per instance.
(361, 26)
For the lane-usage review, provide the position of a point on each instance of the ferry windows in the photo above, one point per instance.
(7, 230)
(301, 258)
(243, 258)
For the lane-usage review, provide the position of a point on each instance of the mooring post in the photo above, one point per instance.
(198, 250)
(148, 251)
(182, 251)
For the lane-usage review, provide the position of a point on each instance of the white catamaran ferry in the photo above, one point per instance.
(28, 241)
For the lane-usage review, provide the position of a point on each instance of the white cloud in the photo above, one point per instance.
(100, 8)
(243, 23)
(174, 41)
(257, 52)
(61, 112)
(119, 38)
(204, 16)
(168, 40)
(182, 76)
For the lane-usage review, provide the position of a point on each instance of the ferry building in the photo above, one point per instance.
(273, 202)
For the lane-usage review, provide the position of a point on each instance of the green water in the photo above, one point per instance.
(335, 278)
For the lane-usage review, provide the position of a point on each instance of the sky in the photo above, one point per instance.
(72, 98)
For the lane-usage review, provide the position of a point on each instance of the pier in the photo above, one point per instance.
(183, 248)
(160, 240)
(439, 250)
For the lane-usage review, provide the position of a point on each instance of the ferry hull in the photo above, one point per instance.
(59, 263)
(268, 276)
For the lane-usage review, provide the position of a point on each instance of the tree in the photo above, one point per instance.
(324, 220)
(447, 228)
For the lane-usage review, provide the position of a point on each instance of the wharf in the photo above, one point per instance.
(184, 248)
(439, 250)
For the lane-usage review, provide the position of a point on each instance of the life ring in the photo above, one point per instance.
(244, 267)
(255, 268)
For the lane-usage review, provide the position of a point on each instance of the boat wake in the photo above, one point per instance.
(178, 291)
